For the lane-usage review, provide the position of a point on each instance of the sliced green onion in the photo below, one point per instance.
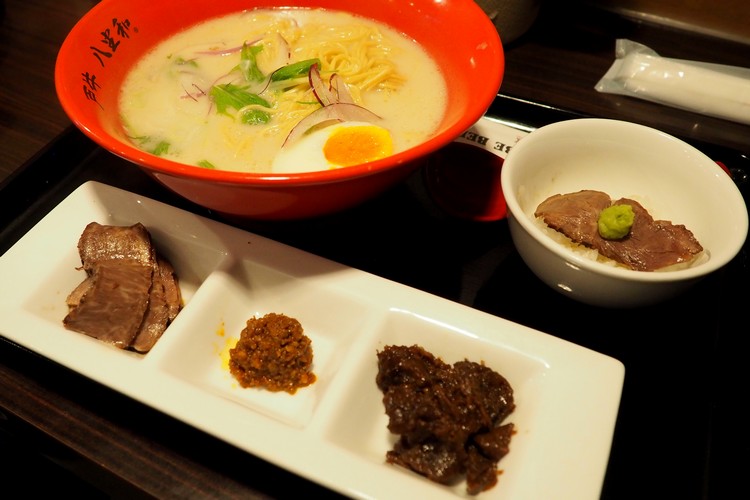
(233, 96)
(294, 70)
(254, 116)
(249, 63)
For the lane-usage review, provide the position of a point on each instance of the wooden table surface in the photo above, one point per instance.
(557, 63)
(31, 32)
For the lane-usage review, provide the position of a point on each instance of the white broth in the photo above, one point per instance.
(173, 102)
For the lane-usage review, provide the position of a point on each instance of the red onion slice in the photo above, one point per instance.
(340, 90)
(281, 56)
(339, 111)
(320, 89)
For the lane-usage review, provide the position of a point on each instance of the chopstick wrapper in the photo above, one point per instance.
(711, 89)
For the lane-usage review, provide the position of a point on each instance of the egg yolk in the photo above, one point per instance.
(358, 144)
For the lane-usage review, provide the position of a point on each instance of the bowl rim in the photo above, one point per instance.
(573, 258)
(476, 108)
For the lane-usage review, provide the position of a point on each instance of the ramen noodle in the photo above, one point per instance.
(187, 99)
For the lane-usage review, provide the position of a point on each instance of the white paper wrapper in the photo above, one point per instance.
(711, 89)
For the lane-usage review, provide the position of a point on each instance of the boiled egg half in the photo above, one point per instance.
(342, 144)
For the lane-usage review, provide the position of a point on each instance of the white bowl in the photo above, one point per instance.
(671, 179)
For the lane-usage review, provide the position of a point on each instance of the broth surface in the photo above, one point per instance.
(168, 107)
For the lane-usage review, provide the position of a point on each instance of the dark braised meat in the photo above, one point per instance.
(650, 245)
(130, 294)
(449, 418)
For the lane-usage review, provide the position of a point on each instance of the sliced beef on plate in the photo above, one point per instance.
(101, 243)
(650, 245)
(130, 294)
(74, 297)
(164, 302)
(172, 293)
(113, 306)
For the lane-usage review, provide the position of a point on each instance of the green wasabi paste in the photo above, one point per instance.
(615, 221)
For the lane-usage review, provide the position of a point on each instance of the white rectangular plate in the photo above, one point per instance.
(333, 432)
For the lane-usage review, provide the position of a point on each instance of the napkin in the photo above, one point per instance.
(711, 89)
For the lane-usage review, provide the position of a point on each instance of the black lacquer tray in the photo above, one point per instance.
(681, 427)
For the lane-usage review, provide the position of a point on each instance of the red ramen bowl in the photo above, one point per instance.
(108, 41)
